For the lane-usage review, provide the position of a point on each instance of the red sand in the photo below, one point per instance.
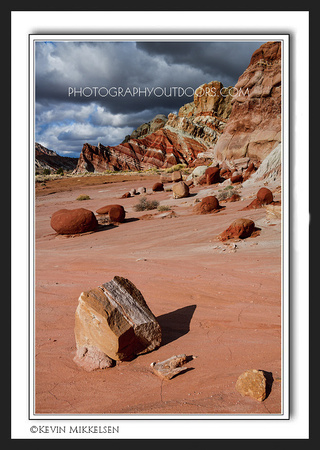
(223, 306)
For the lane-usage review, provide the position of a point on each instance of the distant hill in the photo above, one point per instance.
(48, 159)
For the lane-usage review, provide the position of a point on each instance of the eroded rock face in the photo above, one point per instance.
(254, 125)
(115, 319)
(73, 221)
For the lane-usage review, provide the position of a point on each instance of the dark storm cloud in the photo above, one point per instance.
(64, 120)
(226, 59)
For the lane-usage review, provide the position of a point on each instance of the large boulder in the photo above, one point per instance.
(180, 190)
(73, 221)
(115, 319)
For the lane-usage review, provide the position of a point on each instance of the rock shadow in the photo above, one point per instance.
(269, 381)
(175, 323)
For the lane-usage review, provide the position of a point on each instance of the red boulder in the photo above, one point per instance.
(265, 196)
(116, 212)
(157, 187)
(73, 221)
(239, 229)
(207, 205)
(237, 178)
(212, 175)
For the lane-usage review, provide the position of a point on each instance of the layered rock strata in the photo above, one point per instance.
(254, 126)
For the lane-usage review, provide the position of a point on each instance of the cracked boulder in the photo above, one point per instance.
(114, 320)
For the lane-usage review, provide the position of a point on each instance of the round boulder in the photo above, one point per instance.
(239, 229)
(265, 196)
(207, 205)
(116, 212)
(157, 187)
(73, 221)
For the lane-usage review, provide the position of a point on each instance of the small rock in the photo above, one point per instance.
(171, 367)
(252, 383)
(141, 190)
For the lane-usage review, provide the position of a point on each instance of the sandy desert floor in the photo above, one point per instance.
(220, 302)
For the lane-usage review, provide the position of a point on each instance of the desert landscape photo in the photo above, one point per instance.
(158, 228)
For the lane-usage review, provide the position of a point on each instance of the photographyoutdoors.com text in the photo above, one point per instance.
(158, 91)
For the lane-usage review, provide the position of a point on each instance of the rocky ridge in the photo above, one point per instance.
(48, 159)
(220, 125)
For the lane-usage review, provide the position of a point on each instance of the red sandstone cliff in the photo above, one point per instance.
(254, 125)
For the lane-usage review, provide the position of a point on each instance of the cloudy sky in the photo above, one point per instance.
(101, 91)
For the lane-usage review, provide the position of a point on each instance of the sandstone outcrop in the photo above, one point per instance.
(153, 125)
(73, 221)
(254, 125)
(115, 319)
(221, 123)
(165, 143)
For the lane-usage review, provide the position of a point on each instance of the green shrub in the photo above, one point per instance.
(83, 197)
(60, 171)
(145, 205)
(164, 208)
(46, 171)
(176, 167)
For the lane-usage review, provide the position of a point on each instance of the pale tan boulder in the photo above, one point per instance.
(115, 319)
(180, 190)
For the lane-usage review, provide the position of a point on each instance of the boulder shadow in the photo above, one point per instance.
(175, 323)
(269, 381)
